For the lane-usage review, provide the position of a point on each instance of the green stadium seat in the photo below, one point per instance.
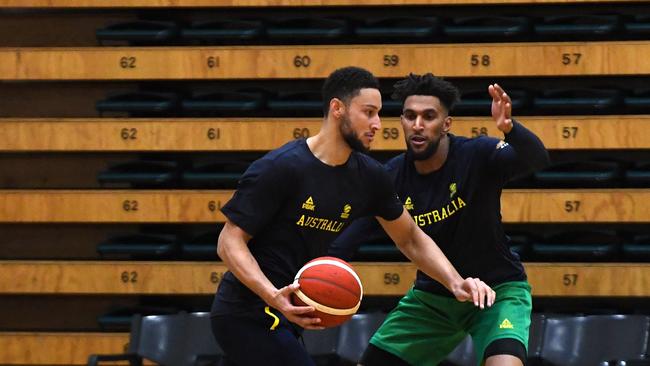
(580, 174)
(477, 101)
(637, 249)
(398, 29)
(488, 28)
(140, 33)
(227, 31)
(296, 104)
(638, 175)
(578, 101)
(578, 246)
(637, 25)
(202, 246)
(224, 103)
(141, 174)
(568, 27)
(140, 103)
(120, 318)
(638, 101)
(214, 175)
(139, 246)
(307, 30)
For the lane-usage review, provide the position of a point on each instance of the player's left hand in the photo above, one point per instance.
(475, 290)
(501, 108)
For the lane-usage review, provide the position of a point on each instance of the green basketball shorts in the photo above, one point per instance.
(424, 328)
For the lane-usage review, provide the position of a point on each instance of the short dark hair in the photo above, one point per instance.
(427, 84)
(345, 84)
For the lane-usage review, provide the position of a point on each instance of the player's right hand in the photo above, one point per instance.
(475, 290)
(281, 301)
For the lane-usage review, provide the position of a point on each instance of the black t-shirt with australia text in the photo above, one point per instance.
(294, 205)
(459, 205)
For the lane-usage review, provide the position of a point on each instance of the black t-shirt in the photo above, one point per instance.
(293, 205)
(459, 205)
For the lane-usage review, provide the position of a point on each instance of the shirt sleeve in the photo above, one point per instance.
(260, 194)
(387, 204)
(361, 231)
(520, 154)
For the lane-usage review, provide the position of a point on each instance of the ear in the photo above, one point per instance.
(337, 107)
(446, 124)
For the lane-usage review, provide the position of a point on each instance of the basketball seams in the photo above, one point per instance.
(334, 284)
(334, 263)
(326, 309)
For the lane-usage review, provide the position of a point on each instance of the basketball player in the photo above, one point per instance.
(290, 205)
(451, 187)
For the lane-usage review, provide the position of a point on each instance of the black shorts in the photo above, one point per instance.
(260, 337)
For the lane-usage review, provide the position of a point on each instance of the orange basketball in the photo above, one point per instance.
(332, 287)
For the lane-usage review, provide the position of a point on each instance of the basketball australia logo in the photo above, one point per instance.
(452, 190)
(346, 211)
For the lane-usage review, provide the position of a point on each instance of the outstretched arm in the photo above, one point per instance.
(233, 249)
(526, 152)
(428, 257)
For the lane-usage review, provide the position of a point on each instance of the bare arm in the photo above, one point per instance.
(232, 248)
(427, 256)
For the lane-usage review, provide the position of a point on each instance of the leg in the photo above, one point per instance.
(506, 352)
(421, 331)
(503, 360)
(375, 356)
(249, 340)
(500, 333)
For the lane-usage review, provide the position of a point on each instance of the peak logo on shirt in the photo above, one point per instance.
(346, 211)
(408, 204)
(505, 324)
(309, 204)
(452, 190)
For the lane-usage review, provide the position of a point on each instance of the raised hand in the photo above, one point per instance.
(281, 301)
(475, 290)
(501, 108)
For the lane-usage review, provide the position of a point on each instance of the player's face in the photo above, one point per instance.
(425, 121)
(361, 120)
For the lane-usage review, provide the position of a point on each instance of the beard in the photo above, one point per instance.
(348, 135)
(428, 151)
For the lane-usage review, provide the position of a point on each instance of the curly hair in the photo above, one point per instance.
(427, 84)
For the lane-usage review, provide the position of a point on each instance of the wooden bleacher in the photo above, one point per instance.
(202, 206)
(174, 278)
(54, 348)
(379, 278)
(277, 62)
(42, 280)
(263, 134)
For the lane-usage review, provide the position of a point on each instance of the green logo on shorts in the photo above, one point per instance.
(505, 324)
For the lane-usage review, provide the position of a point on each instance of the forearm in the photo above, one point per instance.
(239, 260)
(528, 146)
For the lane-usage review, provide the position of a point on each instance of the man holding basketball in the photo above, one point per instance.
(290, 205)
(451, 186)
